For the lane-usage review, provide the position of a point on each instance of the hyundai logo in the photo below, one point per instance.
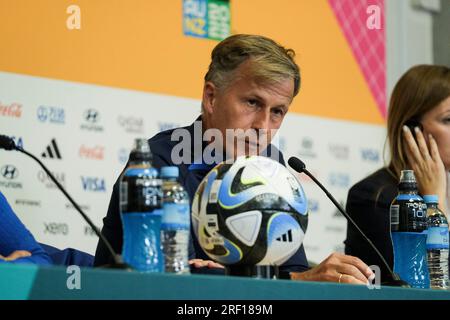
(91, 115)
(9, 172)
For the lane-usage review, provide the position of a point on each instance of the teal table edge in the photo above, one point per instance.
(16, 281)
(42, 283)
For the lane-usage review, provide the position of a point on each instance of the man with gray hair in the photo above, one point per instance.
(249, 86)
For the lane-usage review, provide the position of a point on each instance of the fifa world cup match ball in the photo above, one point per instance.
(251, 212)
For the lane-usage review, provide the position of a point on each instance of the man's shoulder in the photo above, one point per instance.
(163, 137)
(161, 144)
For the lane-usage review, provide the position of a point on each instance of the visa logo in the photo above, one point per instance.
(370, 155)
(93, 184)
(18, 141)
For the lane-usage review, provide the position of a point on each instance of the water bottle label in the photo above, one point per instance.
(409, 197)
(148, 172)
(155, 212)
(395, 214)
(437, 238)
(176, 216)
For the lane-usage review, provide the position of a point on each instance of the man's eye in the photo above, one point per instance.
(252, 102)
(278, 112)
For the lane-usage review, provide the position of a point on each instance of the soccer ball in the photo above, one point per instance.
(251, 212)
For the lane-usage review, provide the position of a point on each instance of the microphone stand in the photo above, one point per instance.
(300, 167)
(8, 144)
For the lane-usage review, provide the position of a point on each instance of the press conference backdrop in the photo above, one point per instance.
(79, 80)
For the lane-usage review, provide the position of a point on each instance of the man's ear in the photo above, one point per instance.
(209, 96)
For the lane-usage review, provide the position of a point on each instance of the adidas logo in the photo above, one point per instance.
(287, 237)
(52, 151)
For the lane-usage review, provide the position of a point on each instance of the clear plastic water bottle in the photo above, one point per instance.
(141, 211)
(176, 221)
(437, 244)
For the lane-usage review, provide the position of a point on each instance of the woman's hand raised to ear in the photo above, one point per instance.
(427, 164)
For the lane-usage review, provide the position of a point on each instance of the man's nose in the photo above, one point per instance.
(262, 119)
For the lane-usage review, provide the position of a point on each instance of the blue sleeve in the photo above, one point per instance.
(296, 263)
(15, 236)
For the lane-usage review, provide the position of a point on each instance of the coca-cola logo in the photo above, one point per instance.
(93, 153)
(13, 110)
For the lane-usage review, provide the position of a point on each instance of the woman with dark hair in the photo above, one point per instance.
(418, 133)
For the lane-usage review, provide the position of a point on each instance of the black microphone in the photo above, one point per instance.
(299, 166)
(8, 144)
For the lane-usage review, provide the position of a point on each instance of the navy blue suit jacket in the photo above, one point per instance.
(190, 177)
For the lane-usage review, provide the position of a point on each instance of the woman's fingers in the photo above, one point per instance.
(413, 152)
(422, 144)
(426, 163)
(417, 150)
(434, 150)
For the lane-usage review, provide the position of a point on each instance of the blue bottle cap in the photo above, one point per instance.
(431, 198)
(170, 172)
